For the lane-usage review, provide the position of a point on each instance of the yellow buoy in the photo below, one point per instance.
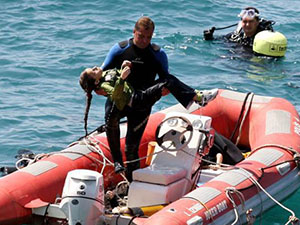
(270, 43)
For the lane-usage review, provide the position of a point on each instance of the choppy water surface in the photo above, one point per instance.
(44, 45)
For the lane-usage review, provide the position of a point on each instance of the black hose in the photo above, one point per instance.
(222, 28)
(208, 34)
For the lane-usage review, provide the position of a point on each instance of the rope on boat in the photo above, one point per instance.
(28, 161)
(290, 149)
(207, 210)
(144, 157)
(93, 145)
(211, 216)
(95, 148)
(249, 175)
(257, 187)
(97, 142)
(232, 190)
(296, 154)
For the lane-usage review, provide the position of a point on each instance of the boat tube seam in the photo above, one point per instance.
(241, 96)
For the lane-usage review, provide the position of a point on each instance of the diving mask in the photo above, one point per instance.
(248, 13)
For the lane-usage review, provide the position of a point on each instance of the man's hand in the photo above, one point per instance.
(209, 34)
(126, 63)
(125, 72)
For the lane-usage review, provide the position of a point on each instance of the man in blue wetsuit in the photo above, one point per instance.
(145, 60)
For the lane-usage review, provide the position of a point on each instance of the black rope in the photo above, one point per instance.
(131, 220)
(240, 116)
(100, 129)
(45, 215)
(84, 197)
(117, 220)
(268, 167)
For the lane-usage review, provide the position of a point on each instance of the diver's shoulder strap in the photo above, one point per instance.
(266, 24)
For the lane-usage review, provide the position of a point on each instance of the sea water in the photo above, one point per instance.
(44, 45)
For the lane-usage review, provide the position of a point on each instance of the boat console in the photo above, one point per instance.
(181, 141)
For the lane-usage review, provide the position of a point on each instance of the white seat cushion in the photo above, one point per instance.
(158, 174)
(142, 194)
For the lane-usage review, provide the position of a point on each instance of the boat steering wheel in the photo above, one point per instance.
(178, 135)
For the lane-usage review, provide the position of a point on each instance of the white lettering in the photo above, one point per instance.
(210, 213)
(207, 215)
(220, 207)
(297, 128)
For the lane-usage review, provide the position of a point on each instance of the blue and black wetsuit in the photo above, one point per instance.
(146, 64)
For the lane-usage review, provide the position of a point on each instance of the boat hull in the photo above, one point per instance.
(270, 127)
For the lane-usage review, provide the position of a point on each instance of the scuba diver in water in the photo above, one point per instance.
(254, 34)
(247, 28)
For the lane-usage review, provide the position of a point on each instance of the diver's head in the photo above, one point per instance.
(143, 32)
(249, 20)
(269, 43)
(250, 13)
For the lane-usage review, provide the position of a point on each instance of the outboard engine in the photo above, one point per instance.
(82, 197)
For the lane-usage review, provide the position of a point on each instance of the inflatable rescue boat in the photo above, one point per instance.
(77, 185)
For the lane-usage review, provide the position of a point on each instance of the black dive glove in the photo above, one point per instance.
(208, 34)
